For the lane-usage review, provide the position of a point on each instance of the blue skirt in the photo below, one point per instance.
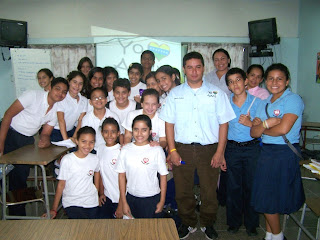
(277, 185)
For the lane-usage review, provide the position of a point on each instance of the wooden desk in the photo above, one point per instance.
(308, 126)
(30, 155)
(97, 229)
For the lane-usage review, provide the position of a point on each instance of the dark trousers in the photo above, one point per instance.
(196, 157)
(108, 209)
(241, 165)
(81, 213)
(18, 176)
(144, 207)
(56, 134)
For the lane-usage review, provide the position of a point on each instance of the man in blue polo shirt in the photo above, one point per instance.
(196, 115)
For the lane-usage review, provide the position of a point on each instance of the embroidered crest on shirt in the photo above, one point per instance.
(145, 161)
(212, 94)
(276, 112)
(113, 161)
(90, 173)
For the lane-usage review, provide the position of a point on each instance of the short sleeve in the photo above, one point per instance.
(64, 168)
(127, 123)
(120, 165)
(162, 128)
(161, 157)
(224, 109)
(27, 98)
(294, 105)
(167, 112)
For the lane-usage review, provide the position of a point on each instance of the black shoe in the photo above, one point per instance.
(209, 232)
(184, 231)
(252, 232)
(233, 230)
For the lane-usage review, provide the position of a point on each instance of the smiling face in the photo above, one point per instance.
(134, 77)
(221, 61)
(236, 84)
(194, 70)
(44, 80)
(150, 105)
(166, 82)
(121, 96)
(97, 80)
(58, 92)
(152, 83)
(85, 68)
(141, 133)
(75, 86)
(110, 134)
(98, 99)
(85, 144)
(276, 83)
(254, 78)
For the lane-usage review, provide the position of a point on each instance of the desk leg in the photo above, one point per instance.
(4, 193)
(45, 187)
(302, 227)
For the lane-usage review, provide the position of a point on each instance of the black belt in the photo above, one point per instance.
(244, 144)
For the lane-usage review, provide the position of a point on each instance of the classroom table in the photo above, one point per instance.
(308, 126)
(30, 155)
(84, 229)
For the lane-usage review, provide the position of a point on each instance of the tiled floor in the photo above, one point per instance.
(312, 189)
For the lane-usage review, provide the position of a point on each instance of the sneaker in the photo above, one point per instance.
(209, 232)
(184, 231)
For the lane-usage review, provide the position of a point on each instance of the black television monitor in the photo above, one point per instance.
(263, 32)
(13, 33)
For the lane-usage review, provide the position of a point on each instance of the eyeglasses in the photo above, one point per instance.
(98, 98)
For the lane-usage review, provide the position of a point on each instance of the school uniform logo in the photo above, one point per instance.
(90, 173)
(276, 112)
(113, 161)
(212, 94)
(145, 161)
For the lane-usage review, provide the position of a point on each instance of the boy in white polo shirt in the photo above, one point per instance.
(95, 118)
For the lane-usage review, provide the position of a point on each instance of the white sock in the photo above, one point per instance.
(268, 236)
(277, 236)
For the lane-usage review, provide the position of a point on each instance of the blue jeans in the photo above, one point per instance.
(241, 165)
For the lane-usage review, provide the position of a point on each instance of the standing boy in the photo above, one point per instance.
(241, 154)
(196, 115)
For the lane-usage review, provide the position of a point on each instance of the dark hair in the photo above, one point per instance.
(191, 55)
(137, 66)
(90, 76)
(235, 71)
(122, 82)
(82, 61)
(148, 52)
(223, 51)
(167, 69)
(86, 130)
(112, 121)
(150, 75)
(150, 92)
(74, 74)
(99, 89)
(57, 80)
(278, 66)
(107, 70)
(46, 71)
(178, 76)
(147, 121)
(255, 66)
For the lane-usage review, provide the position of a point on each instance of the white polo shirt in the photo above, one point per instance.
(158, 125)
(110, 96)
(72, 110)
(141, 165)
(107, 159)
(78, 173)
(135, 90)
(34, 115)
(92, 121)
(122, 113)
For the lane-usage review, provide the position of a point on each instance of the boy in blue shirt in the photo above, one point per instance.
(242, 152)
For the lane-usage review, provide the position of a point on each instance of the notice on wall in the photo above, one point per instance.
(25, 65)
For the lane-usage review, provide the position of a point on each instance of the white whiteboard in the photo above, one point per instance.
(25, 65)
(120, 52)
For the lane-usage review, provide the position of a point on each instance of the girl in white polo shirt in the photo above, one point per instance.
(71, 110)
(79, 179)
(138, 165)
(150, 104)
(108, 153)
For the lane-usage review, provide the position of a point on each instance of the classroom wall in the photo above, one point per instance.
(309, 45)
